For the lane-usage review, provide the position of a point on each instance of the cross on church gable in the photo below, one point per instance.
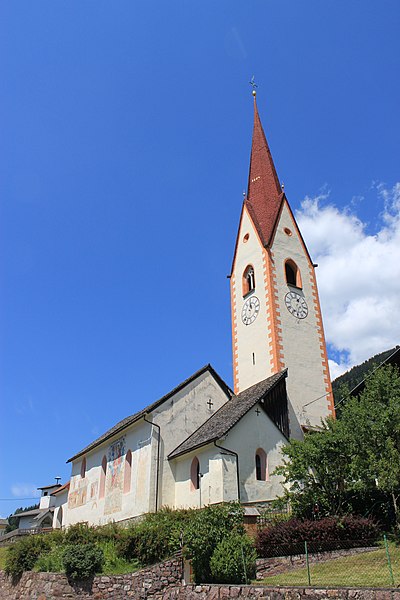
(210, 404)
(258, 411)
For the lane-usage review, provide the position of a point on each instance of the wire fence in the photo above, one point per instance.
(332, 563)
(271, 514)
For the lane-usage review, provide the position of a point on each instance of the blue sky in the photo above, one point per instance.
(125, 133)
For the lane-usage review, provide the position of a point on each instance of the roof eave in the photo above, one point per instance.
(172, 455)
(149, 409)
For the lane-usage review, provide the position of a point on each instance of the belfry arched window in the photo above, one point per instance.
(249, 280)
(103, 474)
(261, 465)
(128, 472)
(195, 474)
(292, 273)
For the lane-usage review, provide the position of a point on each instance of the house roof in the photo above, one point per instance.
(48, 487)
(228, 415)
(4, 522)
(43, 514)
(121, 425)
(28, 513)
(61, 489)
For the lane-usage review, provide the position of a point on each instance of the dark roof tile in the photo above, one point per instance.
(135, 417)
(228, 415)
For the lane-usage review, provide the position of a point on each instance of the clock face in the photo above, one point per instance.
(250, 310)
(296, 305)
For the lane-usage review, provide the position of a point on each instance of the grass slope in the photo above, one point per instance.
(369, 569)
(3, 551)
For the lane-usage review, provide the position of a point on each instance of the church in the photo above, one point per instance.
(204, 443)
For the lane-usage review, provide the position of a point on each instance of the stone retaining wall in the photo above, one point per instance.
(148, 583)
(252, 592)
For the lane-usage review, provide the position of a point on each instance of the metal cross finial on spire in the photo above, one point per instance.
(253, 85)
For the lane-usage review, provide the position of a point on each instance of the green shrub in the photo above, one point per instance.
(205, 530)
(155, 537)
(82, 561)
(114, 564)
(52, 561)
(148, 542)
(56, 537)
(234, 560)
(22, 555)
(80, 533)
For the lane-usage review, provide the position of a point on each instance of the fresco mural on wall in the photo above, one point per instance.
(115, 477)
(78, 496)
(93, 489)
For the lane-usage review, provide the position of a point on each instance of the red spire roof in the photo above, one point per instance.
(264, 193)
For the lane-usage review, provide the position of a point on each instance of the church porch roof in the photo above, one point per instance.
(31, 513)
(121, 425)
(220, 423)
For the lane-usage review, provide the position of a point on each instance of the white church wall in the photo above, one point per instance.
(178, 418)
(250, 370)
(211, 480)
(302, 353)
(84, 501)
(252, 432)
(60, 509)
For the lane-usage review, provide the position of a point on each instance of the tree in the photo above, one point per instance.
(316, 470)
(372, 422)
(356, 455)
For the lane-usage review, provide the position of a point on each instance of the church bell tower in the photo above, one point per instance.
(276, 315)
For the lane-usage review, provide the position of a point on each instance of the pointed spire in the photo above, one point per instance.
(264, 192)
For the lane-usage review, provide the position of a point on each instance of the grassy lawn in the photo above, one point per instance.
(369, 569)
(3, 551)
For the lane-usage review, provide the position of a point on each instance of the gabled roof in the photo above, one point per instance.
(29, 513)
(43, 514)
(61, 489)
(135, 417)
(264, 192)
(228, 415)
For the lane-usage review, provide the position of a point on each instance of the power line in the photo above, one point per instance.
(18, 499)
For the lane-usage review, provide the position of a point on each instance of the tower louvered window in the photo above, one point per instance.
(249, 281)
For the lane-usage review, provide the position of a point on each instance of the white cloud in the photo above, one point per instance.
(358, 275)
(24, 490)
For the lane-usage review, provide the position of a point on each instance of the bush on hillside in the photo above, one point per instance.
(147, 542)
(154, 538)
(52, 561)
(205, 530)
(329, 533)
(234, 560)
(82, 561)
(23, 554)
(80, 533)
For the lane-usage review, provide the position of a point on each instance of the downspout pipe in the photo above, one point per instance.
(158, 457)
(235, 454)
